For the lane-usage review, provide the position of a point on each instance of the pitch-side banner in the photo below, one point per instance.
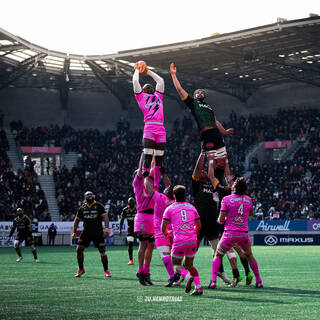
(62, 226)
(314, 225)
(278, 225)
(307, 239)
(66, 226)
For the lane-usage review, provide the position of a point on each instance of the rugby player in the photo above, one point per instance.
(234, 213)
(163, 244)
(24, 233)
(206, 206)
(185, 222)
(150, 102)
(210, 129)
(143, 227)
(91, 213)
(129, 212)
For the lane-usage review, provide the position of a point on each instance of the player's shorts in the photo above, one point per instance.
(179, 250)
(25, 236)
(211, 139)
(87, 237)
(164, 241)
(143, 222)
(155, 132)
(210, 228)
(235, 238)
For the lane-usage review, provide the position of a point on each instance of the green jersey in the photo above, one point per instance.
(201, 111)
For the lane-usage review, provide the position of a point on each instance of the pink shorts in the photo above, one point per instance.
(181, 250)
(232, 238)
(155, 132)
(162, 241)
(143, 222)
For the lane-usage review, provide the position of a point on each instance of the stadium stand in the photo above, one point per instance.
(105, 162)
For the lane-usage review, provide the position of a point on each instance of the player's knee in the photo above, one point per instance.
(32, 247)
(163, 251)
(148, 152)
(80, 249)
(231, 255)
(16, 243)
(103, 253)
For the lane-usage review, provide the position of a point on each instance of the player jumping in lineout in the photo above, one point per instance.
(150, 102)
(210, 129)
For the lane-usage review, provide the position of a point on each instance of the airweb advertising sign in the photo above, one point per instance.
(279, 225)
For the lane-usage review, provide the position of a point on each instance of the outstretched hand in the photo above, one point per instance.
(229, 132)
(173, 69)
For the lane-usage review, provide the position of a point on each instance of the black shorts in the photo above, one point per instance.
(87, 237)
(25, 236)
(211, 139)
(210, 228)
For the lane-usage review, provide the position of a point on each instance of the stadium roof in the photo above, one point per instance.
(236, 63)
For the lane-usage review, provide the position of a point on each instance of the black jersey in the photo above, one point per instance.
(129, 214)
(22, 225)
(91, 215)
(203, 198)
(201, 111)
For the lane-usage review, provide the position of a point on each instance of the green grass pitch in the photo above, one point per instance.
(48, 289)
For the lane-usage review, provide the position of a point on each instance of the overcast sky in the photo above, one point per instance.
(108, 26)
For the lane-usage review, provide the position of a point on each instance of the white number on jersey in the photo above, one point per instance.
(240, 210)
(183, 215)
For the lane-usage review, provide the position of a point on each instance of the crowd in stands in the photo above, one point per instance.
(290, 189)
(107, 160)
(20, 189)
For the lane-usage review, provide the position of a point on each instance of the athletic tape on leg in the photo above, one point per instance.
(148, 151)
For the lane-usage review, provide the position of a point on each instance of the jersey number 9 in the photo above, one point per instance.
(183, 215)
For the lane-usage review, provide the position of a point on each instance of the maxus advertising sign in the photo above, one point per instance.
(286, 239)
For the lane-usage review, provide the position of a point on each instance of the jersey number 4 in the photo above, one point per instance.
(183, 215)
(240, 210)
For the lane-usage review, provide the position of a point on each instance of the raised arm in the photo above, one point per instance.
(199, 166)
(176, 82)
(158, 80)
(135, 82)
(149, 186)
(227, 132)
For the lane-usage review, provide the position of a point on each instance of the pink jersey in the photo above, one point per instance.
(238, 208)
(161, 202)
(182, 216)
(151, 106)
(145, 203)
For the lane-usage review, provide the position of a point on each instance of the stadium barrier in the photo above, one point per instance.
(63, 236)
(262, 232)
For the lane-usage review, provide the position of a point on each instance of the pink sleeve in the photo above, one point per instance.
(224, 206)
(137, 184)
(166, 214)
(251, 204)
(196, 214)
(156, 196)
(159, 94)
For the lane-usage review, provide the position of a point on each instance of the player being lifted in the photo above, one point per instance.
(210, 129)
(185, 223)
(143, 226)
(129, 212)
(207, 208)
(150, 102)
(91, 213)
(163, 244)
(234, 213)
(24, 233)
